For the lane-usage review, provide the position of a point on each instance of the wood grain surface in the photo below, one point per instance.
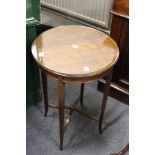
(75, 51)
(121, 6)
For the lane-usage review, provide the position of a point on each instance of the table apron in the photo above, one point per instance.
(76, 79)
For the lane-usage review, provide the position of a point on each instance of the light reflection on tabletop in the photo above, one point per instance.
(74, 50)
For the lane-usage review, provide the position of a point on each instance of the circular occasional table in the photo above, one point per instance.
(74, 54)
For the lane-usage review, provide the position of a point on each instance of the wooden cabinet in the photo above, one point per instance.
(120, 33)
(33, 89)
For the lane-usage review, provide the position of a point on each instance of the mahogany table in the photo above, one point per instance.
(74, 54)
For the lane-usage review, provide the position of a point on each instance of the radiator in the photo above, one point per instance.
(96, 11)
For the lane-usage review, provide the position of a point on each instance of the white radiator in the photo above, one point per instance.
(96, 11)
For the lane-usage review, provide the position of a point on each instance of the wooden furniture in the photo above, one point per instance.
(33, 89)
(75, 54)
(120, 33)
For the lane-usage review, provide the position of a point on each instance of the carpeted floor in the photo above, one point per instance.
(82, 136)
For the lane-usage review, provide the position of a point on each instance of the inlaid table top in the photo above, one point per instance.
(75, 51)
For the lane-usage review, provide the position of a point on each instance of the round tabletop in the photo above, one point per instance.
(75, 51)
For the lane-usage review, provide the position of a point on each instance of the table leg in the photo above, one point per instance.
(105, 97)
(45, 93)
(81, 94)
(61, 111)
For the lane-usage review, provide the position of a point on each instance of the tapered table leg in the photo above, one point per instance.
(81, 93)
(61, 111)
(45, 93)
(105, 97)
